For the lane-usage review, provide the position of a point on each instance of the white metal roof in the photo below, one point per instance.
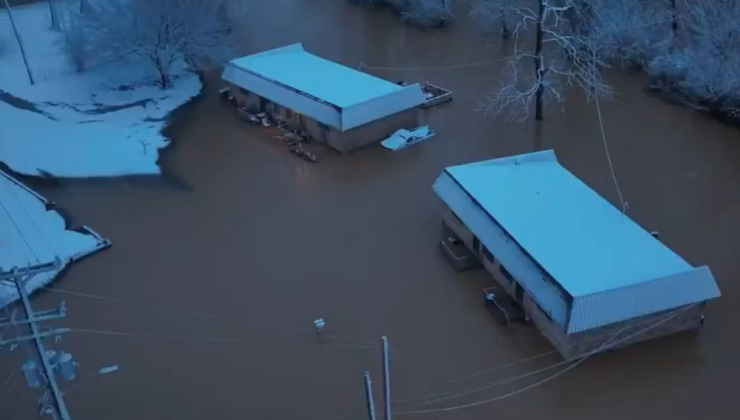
(336, 95)
(579, 238)
(331, 82)
(613, 269)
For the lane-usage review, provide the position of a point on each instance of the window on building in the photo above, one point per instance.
(487, 254)
(506, 274)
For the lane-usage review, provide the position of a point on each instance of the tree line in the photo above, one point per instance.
(196, 34)
(689, 48)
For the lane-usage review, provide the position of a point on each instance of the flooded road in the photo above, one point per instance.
(266, 244)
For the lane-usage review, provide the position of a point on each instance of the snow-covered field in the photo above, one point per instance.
(102, 122)
(30, 234)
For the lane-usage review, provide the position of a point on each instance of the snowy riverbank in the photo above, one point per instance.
(104, 122)
(31, 234)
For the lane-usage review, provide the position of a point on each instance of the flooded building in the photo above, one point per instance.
(343, 107)
(589, 277)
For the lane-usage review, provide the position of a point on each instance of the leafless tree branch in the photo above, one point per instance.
(563, 57)
(158, 31)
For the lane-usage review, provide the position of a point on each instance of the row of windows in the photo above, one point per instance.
(488, 256)
(491, 259)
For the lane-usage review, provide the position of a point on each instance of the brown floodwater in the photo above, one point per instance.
(261, 238)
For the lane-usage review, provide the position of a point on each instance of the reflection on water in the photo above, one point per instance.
(265, 237)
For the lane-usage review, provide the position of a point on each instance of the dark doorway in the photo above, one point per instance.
(519, 293)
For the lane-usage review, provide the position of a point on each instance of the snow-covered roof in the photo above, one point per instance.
(350, 97)
(586, 245)
(331, 82)
(32, 234)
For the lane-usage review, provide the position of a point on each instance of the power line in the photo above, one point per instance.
(624, 204)
(458, 393)
(499, 367)
(7, 381)
(23, 237)
(22, 206)
(203, 315)
(10, 315)
(610, 344)
(49, 360)
(427, 398)
(9, 390)
(450, 67)
(218, 340)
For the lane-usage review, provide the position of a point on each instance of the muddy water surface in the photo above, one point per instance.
(270, 243)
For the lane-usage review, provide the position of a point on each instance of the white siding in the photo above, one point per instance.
(516, 261)
(605, 308)
(284, 96)
(383, 106)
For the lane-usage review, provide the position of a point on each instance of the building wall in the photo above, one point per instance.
(375, 131)
(255, 104)
(529, 274)
(409, 97)
(245, 98)
(346, 141)
(312, 107)
(577, 345)
(632, 331)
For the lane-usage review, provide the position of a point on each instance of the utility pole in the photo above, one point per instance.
(49, 359)
(386, 378)
(369, 396)
(18, 39)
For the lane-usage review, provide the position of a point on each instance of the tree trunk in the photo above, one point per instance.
(538, 64)
(504, 27)
(164, 79)
(20, 43)
(54, 16)
(163, 69)
(538, 136)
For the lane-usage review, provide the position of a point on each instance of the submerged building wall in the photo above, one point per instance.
(573, 346)
(342, 141)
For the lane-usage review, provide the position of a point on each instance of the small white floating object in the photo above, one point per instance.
(320, 324)
(404, 137)
(107, 370)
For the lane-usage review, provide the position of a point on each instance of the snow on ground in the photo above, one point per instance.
(30, 234)
(102, 122)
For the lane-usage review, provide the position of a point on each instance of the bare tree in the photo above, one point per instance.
(75, 39)
(630, 32)
(19, 41)
(706, 69)
(563, 57)
(54, 15)
(159, 31)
